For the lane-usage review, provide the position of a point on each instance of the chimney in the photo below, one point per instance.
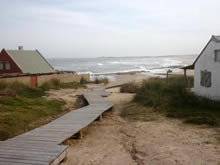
(20, 47)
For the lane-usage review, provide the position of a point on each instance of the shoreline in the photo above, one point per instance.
(154, 72)
(125, 65)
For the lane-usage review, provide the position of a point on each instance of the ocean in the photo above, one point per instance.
(111, 65)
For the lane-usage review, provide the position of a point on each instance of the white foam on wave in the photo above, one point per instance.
(121, 63)
(171, 62)
(84, 73)
(140, 69)
(154, 66)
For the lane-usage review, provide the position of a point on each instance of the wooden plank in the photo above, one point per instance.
(27, 151)
(59, 158)
(12, 163)
(44, 158)
(31, 148)
(30, 153)
(33, 162)
(40, 145)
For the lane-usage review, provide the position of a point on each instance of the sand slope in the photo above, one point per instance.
(115, 141)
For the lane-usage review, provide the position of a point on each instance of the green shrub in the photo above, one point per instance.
(134, 112)
(19, 113)
(45, 86)
(17, 86)
(3, 85)
(8, 92)
(31, 92)
(51, 84)
(12, 89)
(97, 81)
(83, 80)
(177, 101)
(101, 80)
(129, 88)
(55, 82)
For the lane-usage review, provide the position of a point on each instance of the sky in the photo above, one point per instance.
(97, 28)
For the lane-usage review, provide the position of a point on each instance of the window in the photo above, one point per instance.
(7, 65)
(1, 65)
(206, 79)
(217, 55)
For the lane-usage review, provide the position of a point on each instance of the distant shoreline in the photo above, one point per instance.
(123, 65)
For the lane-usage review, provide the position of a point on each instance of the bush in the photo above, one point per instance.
(101, 80)
(56, 84)
(134, 112)
(51, 84)
(12, 89)
(176, 100)
(83, 80)
(8, 92)
(17, 86)
(129, 88)
(155, 91)
(3, 85)
(32, 92)
(18, 113)
(45, 86)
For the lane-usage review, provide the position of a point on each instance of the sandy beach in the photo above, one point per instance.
(160, 140)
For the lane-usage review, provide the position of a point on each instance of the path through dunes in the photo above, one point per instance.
(41, 145)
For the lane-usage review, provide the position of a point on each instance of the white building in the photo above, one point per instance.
(207, 70)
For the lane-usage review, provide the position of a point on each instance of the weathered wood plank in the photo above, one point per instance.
(32, 162)
(30, 148)
(40, 146)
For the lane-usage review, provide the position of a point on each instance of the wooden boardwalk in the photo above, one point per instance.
(41, 146)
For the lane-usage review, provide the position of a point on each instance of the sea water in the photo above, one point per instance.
(111, 65)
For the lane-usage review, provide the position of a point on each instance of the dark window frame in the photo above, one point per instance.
(6, 68)
(1, 64)
(216, 51)
(206, 78)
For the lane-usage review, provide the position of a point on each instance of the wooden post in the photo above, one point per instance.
(78, 135)
(169, 71)
(81, 134)
(99, 118)
(185, 76)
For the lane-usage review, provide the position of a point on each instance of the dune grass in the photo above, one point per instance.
(134, 112)
(57, 84)
(99, 80)
(21, 106)
(129, 88)
(17, 114)
(176, 100)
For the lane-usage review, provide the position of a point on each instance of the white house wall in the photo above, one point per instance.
(207, 62)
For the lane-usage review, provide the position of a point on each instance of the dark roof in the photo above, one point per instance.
(30, 61)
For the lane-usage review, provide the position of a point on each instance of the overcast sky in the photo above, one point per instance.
(94, 28)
